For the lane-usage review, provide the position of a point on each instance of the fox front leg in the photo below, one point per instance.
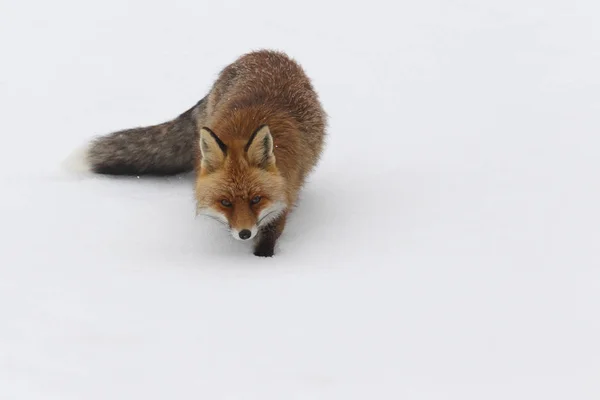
(267, 237)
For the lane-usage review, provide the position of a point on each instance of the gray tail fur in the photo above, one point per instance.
(163, 149)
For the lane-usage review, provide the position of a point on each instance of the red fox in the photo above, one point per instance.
(252, 141)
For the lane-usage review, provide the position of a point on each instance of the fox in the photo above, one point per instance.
(251, 143)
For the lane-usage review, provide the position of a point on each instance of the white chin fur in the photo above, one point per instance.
(77, 162)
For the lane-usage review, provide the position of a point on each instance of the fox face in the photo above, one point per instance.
(239, 184)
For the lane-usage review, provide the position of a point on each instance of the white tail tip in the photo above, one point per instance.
(77, 161)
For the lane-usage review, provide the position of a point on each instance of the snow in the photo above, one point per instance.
(445, 248)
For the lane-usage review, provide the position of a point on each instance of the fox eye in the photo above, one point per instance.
(226, 203)
(255, 200)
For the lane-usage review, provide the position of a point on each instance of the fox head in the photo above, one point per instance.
(239, 183)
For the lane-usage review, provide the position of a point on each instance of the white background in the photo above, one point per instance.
(445, 248)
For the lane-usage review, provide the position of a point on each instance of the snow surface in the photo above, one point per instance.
(445, 248)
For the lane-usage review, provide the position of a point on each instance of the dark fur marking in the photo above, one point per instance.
(265, 153)
(265, 247)
(265, 156)
(252, 138)
(266, 243)
(222, 145)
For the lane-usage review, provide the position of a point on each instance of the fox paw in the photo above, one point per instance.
(264, 251)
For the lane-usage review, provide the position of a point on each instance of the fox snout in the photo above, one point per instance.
(244, 234)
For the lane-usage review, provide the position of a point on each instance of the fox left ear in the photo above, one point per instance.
(213, 150)
(259, 148)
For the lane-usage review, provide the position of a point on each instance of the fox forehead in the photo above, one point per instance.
(234, 185)
(242, 182)
(239, 184)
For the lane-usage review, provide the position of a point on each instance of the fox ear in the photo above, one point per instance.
(259, 148)
(213, 150)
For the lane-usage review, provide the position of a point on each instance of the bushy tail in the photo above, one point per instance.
(164, 149)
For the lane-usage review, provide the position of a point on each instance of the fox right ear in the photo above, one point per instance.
(213, 150)
(260, 148)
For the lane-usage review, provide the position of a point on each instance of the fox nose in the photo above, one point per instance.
(245, 234)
